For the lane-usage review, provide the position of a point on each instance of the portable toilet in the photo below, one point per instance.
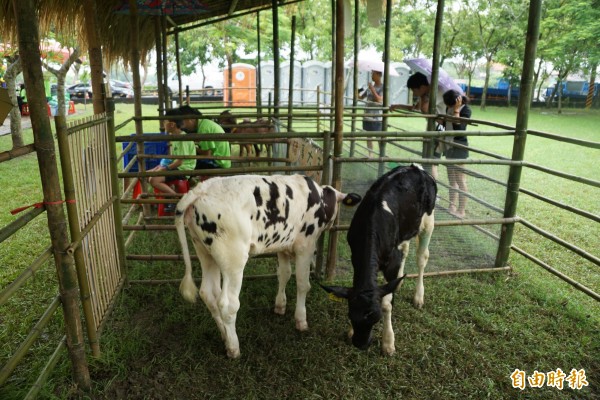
(284, 69)
(243, 89)
(399, 93)
(328, 82)
(267, 77)
(313, 77)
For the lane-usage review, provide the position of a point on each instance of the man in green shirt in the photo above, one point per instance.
(206, 147)
(177, 148)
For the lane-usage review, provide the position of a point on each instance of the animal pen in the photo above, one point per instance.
(104, 222)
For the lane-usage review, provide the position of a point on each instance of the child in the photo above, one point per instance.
(457, 106)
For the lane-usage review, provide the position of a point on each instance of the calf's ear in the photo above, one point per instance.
(351, 199)
(390, 287)
(338, 291)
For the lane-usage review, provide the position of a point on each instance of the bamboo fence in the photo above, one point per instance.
(89, 166)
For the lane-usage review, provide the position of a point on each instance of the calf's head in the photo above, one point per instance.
(364, 308)
(330, 198)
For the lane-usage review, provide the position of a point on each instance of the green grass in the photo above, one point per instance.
(470, 336)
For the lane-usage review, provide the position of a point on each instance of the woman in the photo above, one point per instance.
(456, 106)
(374, 98)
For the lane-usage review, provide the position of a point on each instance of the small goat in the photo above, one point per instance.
(261, 125)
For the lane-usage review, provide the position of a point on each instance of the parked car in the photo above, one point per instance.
(79, 90)
(117, 88)
(211, 91)
(121, 89)
(212, 85)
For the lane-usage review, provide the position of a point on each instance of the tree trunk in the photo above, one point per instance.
(470, 76)
(488, 68)
(560, 96)
(76, 68)
(230, 79)
(590, 94)
(144, 74)
(61, 75)
(536, 77)
(16, 130)
(551, 97)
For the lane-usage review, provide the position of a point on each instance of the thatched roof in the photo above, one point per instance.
(67, 17)
(55, 15)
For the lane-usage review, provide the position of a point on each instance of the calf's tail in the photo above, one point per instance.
(187, 288)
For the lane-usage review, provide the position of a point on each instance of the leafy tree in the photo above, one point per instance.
(495, 21)
(466, 49)
(587, 13)
(314, 29)
(565, 43)
(219, 41)
(61, 74)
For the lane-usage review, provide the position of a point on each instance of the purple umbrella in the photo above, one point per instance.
(371, 65)
(164, 7)
(423, 65)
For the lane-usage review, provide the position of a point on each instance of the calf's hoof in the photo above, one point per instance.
(418, 303)
(280, 310)
(301, 325)
(388, 350)
(233, 353)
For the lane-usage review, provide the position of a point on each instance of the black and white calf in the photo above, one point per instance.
(397, 207)
(232, 218)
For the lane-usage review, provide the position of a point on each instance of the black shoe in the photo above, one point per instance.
(170, 208)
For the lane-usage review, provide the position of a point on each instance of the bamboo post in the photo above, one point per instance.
(355, 74)
(164, 67)
(514, 174)
(178, 62)
(137, 86)
(291, 81)
(94, 53)
(318, 123)
(325, 178)
(428, 146)
(339, 127)
(276, 77)
(69, 188)
(259, 76)
(386, 89)
(159, 74)
(333, 50)
(115, 186)
(28, 33)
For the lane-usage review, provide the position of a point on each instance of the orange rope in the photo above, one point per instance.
(40, 205)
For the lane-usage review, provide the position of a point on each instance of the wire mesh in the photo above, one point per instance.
(452, 247)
